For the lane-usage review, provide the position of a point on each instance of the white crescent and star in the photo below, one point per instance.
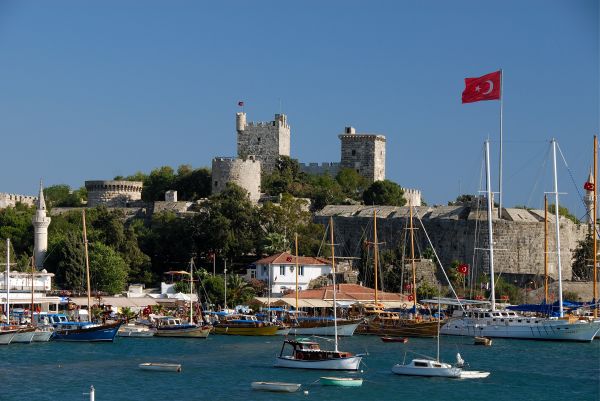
(490, 89)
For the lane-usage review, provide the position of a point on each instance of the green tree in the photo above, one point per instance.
(15, 224)
(352, 183)
(564, 212)
(583, 265)
(239, 291)
(384, 193)
(62, 196)
(67, 262)
(192, 184)
(213, 288)
(108, 270)
(157, 183)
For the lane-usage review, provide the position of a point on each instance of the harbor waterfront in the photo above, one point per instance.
(223, 368)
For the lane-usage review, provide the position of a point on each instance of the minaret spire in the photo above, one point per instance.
(40, 229)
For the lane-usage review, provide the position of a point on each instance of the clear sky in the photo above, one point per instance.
(90, 90)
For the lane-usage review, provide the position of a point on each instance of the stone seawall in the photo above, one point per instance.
(519, 245)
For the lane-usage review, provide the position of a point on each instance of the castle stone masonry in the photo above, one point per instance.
(267, 141)
(113, 193)
(364, 153)
(11, 200)
(245, 173)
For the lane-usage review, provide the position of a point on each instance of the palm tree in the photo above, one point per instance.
(275, 243)
(127, 313)
(239, 290)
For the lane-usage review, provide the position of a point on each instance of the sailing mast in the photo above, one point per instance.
(546, 248)
(333, 273)
(296, 240)
(556, 212)
(32, 274)
(412, 261)
(7, 281)
(87, 266)
(489, 215)
(594, 214)
(191, 289)
(375, 251)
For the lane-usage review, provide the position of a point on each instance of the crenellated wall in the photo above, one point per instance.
(10, 200)
(113, 193)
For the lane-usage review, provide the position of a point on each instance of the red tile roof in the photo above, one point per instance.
(347, 292)
(285, 258)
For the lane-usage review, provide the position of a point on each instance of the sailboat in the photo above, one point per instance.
(306, 354)
(507, 323)
(173, 327)
(65, 330)
(383, 323)
(428, 367)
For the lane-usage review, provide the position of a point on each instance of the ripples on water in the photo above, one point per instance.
(222, 367)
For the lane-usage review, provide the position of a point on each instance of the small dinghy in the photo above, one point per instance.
(394, 339)
(473, 374)
(483, 341)
(342, 381)
(278, 387)
(161, 367)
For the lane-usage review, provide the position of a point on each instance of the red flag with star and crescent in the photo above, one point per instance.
(486, 87)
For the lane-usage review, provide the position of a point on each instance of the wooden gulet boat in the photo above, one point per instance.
(244, 325)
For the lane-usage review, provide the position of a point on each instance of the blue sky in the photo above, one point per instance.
(90, 90)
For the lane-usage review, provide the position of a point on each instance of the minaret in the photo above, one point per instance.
(588, 199)
(40, 228)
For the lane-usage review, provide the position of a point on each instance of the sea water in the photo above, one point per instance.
(222, 368)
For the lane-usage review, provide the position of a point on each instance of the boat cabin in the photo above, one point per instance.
(311, 351)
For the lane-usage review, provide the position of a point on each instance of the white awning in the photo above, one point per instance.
(119, 302)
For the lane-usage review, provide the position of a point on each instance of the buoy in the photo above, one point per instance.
(305, 392)
(362, 371)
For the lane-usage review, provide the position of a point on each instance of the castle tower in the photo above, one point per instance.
(40, 229)
(242, 172)
(364, 153)
(588, 199)
(265, 140)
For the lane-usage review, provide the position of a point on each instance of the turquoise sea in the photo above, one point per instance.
(222, 368)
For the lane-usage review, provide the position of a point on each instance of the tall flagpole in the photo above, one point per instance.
(500, 175)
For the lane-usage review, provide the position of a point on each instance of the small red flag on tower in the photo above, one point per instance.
(588, 186)
(463, 268)
(486, 87)
(241, 104)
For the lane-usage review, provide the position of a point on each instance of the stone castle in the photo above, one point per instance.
(113, 193)
(11, 200)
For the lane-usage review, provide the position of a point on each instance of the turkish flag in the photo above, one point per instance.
(588, 186)
(463, 268)
(241, 104)
(486, 87)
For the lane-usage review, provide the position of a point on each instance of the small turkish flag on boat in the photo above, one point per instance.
(486, 87)
(241, 104)
(463, 268)
(588, 186)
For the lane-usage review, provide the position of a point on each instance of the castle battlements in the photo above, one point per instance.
(11, 200)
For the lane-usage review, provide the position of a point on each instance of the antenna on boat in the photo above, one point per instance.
(556, 213)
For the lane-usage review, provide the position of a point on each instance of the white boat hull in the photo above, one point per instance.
(350, 363)
(545, 329)
(276, 386)
(283, 331)
(6, 338)
(408, 370)
(23, 337)
(473, 374)
(160, 367)
(135, 331)
(344, 330)
(42, 336)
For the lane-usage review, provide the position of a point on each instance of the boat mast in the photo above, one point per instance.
(296, 291)
(87, 266)
(269, 294)
(7, 281)
(489, 216)
(375, 251)
(225, 273)
(438, 328)
(546, 248)
(594, 217)
(412, 260)
(191, 289)
(333, 274)
(32, 273)
(556, 213)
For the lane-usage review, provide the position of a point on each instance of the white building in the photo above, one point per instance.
(19, 294)
(280, 271)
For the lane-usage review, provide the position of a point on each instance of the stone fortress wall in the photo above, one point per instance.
(331, 168)
(113, 193)
(265, 140)
(518, 236)
(245, 173)
(11, 200)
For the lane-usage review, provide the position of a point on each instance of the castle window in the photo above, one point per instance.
(357, 171)
(216, 183)
(259, 139)
(353, 152)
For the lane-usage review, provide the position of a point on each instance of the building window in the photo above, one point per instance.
(282, 270)
(259, 139)
(253, 273)
(216, 183)
(353, 152)
(264, 270)
(301, 271)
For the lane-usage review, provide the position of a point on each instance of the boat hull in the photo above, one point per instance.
(42, 336)
(554, 330)
(277, 387)
(160, 367)
(350, 363)
(191, 332)
(341, 381)
(343, 330)
(421, 329)
(24, 336)
(7, 336)
(407, 370)
(246, 331)
(101, 333)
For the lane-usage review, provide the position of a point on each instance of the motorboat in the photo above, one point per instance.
(169, 326)
(278, 387)
(66, 330)
(43, 334)
(394, 339)
(135, 330)
(318, 326)
(307, 354)
(160, 367)
(342, 381)
(483, 341)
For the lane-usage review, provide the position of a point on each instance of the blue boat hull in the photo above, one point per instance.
(102, 333)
